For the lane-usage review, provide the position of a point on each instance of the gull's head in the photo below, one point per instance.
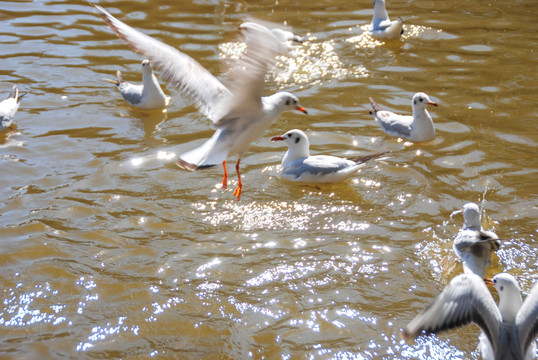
(146, 65)
(509, 295)
(504, 283)
(471, 216)
(422, 100)
(285, 101)
(297, 142)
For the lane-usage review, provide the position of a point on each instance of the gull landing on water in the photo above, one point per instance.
(508, 330)
(9, 107)
(238, 110)
(418, 127)
(148, 96)
(381, 27)
(473, 245)
(299, 166)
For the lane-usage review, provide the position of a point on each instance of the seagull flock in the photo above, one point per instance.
(241, 115)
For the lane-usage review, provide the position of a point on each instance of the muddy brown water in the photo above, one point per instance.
(108, 250)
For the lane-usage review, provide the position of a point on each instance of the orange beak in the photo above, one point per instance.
(432, 103)
(301, 109)
(277, 138)
(489, 281)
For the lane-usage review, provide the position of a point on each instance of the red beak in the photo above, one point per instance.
(277, 138)
(301, 109)
(432, 103)
(489, 281)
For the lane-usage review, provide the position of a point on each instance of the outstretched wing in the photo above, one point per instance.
(246, 78)
(180, 70)
(466, 299)
(527, 319)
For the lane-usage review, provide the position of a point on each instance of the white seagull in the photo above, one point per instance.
(148, 96)
(286, 37)
(508, 331)
(473, 245)
(418, 127)
(238, 111)
(299, 166)
(9, 107)
(381, 27)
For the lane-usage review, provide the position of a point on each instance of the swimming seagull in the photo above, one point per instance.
(474, 245)
(508, 331)
(381, 27)
(149, 95)
(9, 107)
(299, 166)
(238, 111)
(418, 127)
(286, 37)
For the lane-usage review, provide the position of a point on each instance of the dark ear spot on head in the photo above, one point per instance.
(414, 102)
(288, 102)
(502, 288)
(297, 140)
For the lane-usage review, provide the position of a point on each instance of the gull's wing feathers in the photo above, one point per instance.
(246, 78)
(390, 122)
(527, 319)
(474, 240)
(466, 299)
(394, 124)
(474, 248)
(131, 93)
(383, 24)
(365, 158)
(321, 164)
(178, 69)
(14, 94)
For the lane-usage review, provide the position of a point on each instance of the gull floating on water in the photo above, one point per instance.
(299, 166)
(9, 107)
(381, 27)
(418, 127)
(508, 331)
(286, 37)
(474, 245)
(148, 96)
(238, 111)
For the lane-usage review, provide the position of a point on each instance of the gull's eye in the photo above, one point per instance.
(495, 281)
(420, 99)
(294, 102)
(288, 102)
(289, 135)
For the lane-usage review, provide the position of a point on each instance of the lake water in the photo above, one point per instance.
(108, 250)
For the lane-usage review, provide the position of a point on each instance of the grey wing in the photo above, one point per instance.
(14, 94)
(393, 123)
(474, 241)
(320, 164)
(527, 319)
(178, 69)
(130, 92)
(466, 299)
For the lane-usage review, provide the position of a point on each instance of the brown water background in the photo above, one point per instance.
(108, 250)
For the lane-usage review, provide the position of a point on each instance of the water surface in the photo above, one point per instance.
(108, 250)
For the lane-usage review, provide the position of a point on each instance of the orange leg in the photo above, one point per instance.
(225, 177)
(237, 191)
